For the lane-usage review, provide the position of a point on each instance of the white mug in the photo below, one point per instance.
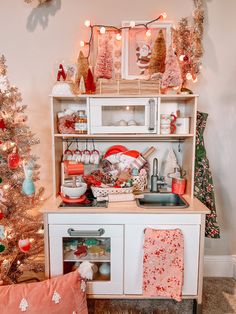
(182, 126)
(165, 129)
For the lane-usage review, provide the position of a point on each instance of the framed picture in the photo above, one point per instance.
(137, 47)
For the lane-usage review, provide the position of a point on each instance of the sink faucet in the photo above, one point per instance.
(156, 181)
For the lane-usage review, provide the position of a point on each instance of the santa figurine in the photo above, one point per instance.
(143, 54)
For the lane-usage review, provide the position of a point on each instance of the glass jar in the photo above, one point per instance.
(81, 123)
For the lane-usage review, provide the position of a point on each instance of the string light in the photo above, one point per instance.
(189, 76)
(82, 43)
(132, 24)
(164, 15)
(127, 107)
(102, 30)
(195, 80)
(118, 36)
(6, 186)
(148, 33)
(181, 58)
(87, 23)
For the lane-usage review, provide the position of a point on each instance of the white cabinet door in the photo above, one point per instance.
(64, 243)
(134, 237)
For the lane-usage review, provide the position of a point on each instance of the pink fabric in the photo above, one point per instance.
(163, 263)
(59, 295)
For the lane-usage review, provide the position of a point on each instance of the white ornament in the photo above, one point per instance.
(56, 297)
(83, 286)
(85, 270)
(23, 305)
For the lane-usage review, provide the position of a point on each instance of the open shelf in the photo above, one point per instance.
(125, 136)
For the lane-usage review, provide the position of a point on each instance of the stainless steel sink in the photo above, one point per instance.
(161, 200)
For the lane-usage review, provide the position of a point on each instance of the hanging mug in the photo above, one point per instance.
(85, 158)
(77, 155)
(68, 155)
(94, 157)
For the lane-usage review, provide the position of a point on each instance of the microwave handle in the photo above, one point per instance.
(151, 117)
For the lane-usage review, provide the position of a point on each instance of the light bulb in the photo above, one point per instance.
(127, 107)
(181, 58)
(189, 76)
(164, 15)
(6, 186)
(18, 262)
(118, 36)
(132, 24)
(82, 43)
(148, 33)
(102, 30)
(4, 148)
(87, 23)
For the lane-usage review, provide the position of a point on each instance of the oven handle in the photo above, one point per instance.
(85, 233)
(151, 118)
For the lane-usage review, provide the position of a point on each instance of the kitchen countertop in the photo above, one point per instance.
(51, 206)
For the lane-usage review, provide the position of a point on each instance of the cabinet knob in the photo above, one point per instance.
(85, 233)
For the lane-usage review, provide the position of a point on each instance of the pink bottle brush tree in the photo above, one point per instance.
(104, 62)
(172, 76)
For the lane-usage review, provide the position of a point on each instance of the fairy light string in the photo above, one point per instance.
(103, 28)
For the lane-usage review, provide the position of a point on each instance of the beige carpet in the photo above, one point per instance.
(219, 297)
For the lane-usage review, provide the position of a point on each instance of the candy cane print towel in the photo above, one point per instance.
(163, 263)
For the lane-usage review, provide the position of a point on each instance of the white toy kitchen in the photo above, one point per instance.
(121, 147)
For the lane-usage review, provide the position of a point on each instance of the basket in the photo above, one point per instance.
(103, 192)
(139, 183)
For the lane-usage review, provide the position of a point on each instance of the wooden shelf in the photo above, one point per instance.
(126, 136)
(165, 96)
(70, 257)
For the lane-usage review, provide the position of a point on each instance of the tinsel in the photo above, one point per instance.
(188, 42)
(15, 207)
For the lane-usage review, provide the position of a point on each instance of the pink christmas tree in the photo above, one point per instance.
(104, 62)
(172, 75)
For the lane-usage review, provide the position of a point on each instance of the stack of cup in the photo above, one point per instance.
(167, 123)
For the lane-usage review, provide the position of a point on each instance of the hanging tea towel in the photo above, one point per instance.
(163, 263)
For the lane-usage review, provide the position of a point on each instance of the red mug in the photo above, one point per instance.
(178, 186)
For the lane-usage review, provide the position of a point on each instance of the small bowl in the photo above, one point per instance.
(74, 192)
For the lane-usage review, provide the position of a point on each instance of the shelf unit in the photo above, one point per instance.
(166, 104)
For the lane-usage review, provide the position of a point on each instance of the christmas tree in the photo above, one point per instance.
(90, 84)
(82, 67)
(172, 76)
(21, 238)
(158, 56)
(104, 62)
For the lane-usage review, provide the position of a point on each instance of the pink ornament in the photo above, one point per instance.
(24, 245)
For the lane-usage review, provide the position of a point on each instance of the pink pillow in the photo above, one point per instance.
(59, 295)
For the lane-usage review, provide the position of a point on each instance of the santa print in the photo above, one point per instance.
(104, 63)
(172, 75)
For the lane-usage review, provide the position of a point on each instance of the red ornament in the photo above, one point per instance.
(1, 216)
(2, 124)
(185, 58)
(90, 85)
(13, 160)
(24, 245)
(61, 73)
